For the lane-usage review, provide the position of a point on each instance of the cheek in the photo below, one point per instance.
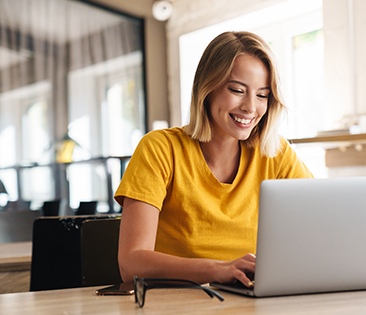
(262, 109)
(218, 105)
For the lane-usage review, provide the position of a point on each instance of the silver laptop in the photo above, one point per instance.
(311, 237)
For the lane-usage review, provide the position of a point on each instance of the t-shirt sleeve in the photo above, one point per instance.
(149, 171)
(289, 165)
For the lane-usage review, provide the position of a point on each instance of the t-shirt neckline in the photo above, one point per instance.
(206, 172)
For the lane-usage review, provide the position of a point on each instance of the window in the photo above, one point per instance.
(35, 131)
(122, 112)
(25, 132)
(117, 109)
(75, 70)
(293, 31)
(308, 84)
(35, 146)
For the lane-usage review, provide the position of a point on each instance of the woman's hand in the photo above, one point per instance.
(137, 257)
(229, 271)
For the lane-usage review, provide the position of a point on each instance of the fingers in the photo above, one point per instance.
(248, 283)
(246, 263)
(243, 278)
(247, 270)
(250, 257)
(241, 269)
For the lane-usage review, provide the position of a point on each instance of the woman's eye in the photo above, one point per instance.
(263, 96)
(236, 91)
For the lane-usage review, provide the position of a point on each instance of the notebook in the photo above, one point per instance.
(311, 237)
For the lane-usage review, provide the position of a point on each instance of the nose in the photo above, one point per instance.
(248, 104)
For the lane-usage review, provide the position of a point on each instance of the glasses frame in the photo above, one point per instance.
(141, 285)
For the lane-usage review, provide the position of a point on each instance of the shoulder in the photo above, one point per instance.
(284, 152)
(167, 137)
(286, 149)
(164, 143)
(290, 164)
(170, 134)
(285, 145)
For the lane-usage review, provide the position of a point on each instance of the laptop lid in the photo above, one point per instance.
(311, 236)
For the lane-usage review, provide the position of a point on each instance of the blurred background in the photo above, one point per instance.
(82, 81)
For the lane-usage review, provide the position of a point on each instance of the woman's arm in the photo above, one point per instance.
(136, 255)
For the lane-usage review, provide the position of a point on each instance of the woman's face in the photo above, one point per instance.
(239, 104)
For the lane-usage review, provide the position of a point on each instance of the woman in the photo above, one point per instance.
(190, 195)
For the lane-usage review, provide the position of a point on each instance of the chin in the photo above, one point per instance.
(244, 137)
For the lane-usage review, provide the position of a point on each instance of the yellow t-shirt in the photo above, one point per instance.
(199, 216)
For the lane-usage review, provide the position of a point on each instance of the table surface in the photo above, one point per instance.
(15, 256)
(178, 301)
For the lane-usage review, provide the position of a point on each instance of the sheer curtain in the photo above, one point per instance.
(71, 79)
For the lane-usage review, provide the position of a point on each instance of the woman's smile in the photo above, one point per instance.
(242, 121)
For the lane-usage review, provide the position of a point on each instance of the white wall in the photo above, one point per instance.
(345, 48)
(345, 67)
(191, 15)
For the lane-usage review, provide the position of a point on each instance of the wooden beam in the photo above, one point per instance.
(336, 138)
(347, 156)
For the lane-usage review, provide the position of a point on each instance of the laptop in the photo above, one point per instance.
(311, 237)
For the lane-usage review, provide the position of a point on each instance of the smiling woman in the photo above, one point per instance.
(190, 195)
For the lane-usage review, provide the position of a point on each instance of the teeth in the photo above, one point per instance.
(242, 121)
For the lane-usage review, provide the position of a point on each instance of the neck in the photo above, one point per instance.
(222, 159)
(217, 150)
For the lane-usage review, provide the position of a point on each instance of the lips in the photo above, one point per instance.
(242, 120)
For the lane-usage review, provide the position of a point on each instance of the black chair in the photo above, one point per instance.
(51, 208)
(99, 246)
(87, 208)
(57, 261)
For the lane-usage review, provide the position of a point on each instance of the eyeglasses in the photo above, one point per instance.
(141, 285)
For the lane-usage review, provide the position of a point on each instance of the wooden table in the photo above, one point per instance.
(178, 301)
(15, 266)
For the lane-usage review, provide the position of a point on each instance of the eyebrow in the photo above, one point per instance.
(243, 84)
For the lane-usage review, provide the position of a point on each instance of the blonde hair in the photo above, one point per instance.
(214, 70)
